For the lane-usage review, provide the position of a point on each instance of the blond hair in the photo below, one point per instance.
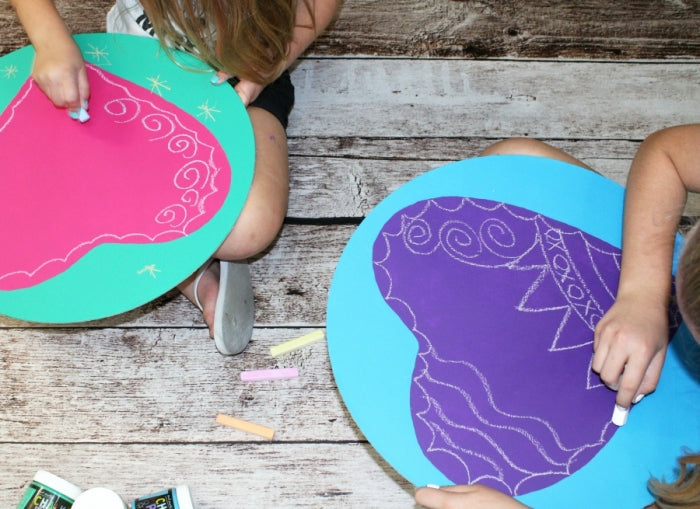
(248, 39)
(684, 491)
(688, 279)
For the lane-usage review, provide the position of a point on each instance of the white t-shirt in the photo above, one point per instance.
(128, 17)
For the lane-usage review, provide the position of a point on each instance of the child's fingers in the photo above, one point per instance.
(83, 88)
(220, 77)
(629, 383)
(248, 91)
(601, 350)
(63, 90)
(651, 377)
(76, 93)
(613, 369)
(71, 97)
(461, 488)
(429, 497)
(434, 498)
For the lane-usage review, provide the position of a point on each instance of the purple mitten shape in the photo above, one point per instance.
(503, 302)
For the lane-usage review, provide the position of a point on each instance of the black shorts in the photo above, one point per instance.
(277, 98)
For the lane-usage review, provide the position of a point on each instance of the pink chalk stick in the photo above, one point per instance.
(269, 374)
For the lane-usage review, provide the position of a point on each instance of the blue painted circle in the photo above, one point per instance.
(372, 353)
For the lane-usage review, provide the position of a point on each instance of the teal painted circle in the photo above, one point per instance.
(372, 353)
(110, 279)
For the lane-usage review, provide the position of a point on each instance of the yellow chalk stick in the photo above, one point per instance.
(295, 344)
(256, 429)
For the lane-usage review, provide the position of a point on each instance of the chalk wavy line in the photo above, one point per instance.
(213, 171)
(30, 274)
(491, 401)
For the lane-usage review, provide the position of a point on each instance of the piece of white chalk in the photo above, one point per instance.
(269, 374)
(619, 416)
(434, 486)
(295, 344)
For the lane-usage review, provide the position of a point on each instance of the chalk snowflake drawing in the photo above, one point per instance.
(9, 71)
(139, 171)
(503, 302)
(98, 55)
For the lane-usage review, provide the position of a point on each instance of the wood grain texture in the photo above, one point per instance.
(517, 29)
(598, 29)
(123, 385)
(221, 476)
(396, 88)
(80, 17)
(494, 99)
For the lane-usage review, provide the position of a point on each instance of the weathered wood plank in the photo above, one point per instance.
(161, 386)
(290, 284)
(443, 28)
(444, 148)
(80, 17)
(327, 188)
(338, 188)
(130, 401)
(588, 29)
(220, 476)
(409, 98)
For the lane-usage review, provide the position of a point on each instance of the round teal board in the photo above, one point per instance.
(373, 353)
(163, 147)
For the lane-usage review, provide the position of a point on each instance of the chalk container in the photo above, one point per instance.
(175, 498)
(48, 490)
(98, 498)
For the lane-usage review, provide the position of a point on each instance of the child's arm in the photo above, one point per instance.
(59, 68)
(305, 32)
(468, 496)
(631, 339)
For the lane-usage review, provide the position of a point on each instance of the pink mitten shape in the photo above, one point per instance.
(141, 170)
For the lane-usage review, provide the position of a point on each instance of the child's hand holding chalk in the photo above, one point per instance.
(58, 69)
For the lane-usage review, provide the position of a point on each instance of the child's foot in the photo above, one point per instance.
(203, 292)
(223, 291)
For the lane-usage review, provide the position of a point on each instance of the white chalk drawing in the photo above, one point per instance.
(503, 302)
(183, 176)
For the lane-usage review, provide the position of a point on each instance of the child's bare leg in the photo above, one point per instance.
(263, 213)
(530, 147)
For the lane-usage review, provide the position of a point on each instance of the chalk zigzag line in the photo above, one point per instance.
(416, 235)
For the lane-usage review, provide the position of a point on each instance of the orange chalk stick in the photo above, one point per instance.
(256, 429)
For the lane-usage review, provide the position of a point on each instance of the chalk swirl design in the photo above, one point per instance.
(166, 127)
(158, 175)
(123, 109)
(503, 302)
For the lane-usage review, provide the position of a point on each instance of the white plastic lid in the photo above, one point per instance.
(57, 484)
(184, 498)
(101, 498)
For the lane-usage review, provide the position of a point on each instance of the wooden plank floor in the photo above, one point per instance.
(395, 89)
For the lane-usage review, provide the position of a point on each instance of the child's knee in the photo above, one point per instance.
(518, 146)
(252, 234)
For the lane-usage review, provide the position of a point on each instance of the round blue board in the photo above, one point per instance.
(373, 353)
(113, 278)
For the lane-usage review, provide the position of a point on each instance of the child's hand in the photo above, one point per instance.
(248, 91)
(630, 347)
(472, 496)
(59, 70)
